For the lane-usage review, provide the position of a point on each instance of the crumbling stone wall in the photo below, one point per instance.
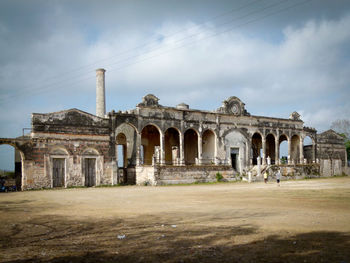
(216, 135)
(192, 174)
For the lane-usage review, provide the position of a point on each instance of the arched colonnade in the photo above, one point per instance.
(267, 147)
(172, 146)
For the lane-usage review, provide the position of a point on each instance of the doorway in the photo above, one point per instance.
(90, 172)
(58, 172)
(234, 157)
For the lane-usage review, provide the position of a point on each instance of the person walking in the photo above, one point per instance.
(265, 177)
(278, 177)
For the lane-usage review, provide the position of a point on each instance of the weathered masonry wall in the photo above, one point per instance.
(292, 172)
(38, 171)
(73, 139)
(163, 175)
(168, 145)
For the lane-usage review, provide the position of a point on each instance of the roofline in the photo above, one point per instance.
(219, 113)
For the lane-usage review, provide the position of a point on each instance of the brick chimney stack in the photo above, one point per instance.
(100, 93)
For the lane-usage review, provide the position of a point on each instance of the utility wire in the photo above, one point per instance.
(191, 43)
(154, 41)
(78, 77)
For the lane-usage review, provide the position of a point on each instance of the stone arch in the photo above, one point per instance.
(283, 140)
(309, 146)
(90, 151)
(271, 147)
(59, 150)
(122, 151)
(121, 125)
(92, 166)
(191, 146)
(256, 146)
(153, 124)
(150, 141)
(171, 145)
(127, 145)
(295, 148)
(58, 162)
(208, 146)
(237, 149)
(19, 159)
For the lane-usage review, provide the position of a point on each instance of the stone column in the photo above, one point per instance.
(200, 150)
(268, 160)
(258, 159)
(162, 152)
(100, 93)
(216, 158)
(301, 153)
(263, 151)
(182, 149)
(216, 149)
(138, 149)
(313, 152)
(277, 152)
(247, 156)
(289, 151)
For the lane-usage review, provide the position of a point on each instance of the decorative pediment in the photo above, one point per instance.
(149, 101)
(330, 134)
(233, 105)
(295, 116)
(73, 117)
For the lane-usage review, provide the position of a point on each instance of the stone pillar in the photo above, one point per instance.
(200, 150)
(216, 158)
(263, 150)
(277, 152)
(268, 160)
(100, 93)
(175, 155)
(182, 149)
(313, 153)
(216, 149)
(258, 159)
(289, 151)
(301, 153)
(247, 156)
(138, 149)
(162, 152)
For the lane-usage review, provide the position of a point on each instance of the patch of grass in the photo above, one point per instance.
(202, 183)
(108, 185)
(340, 175)
(219, 177)
(76, 186)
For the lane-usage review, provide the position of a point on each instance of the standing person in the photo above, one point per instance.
(265, 177)
(278, 177)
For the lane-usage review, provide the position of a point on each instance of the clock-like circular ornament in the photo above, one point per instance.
(235, 109)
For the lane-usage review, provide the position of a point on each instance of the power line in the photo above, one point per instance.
(155, 40)
(47, 87)
(213, 35)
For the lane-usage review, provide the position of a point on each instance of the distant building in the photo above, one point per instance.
(165, 145)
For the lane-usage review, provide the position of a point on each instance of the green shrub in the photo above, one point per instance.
(219, 177)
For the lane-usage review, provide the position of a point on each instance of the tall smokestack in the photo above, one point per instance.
(100, 93)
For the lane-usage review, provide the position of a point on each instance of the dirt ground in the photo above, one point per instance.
(300, 221)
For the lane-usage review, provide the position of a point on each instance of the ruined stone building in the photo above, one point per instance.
(164, 145)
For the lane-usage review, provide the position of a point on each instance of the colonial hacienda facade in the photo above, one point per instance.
(156, 144)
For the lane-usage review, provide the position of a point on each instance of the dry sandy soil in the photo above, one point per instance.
(300, 221)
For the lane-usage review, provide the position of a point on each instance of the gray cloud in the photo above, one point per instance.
(295, 60)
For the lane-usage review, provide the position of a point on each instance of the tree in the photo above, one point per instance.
(342, 126)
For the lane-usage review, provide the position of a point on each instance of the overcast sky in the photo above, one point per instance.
(277, 56)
